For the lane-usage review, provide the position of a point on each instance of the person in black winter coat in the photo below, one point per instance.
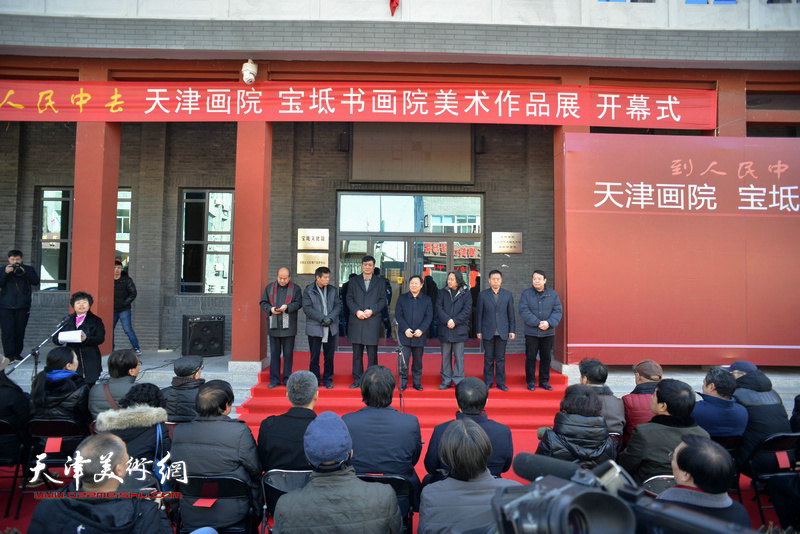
(59, 392)
(579, 433)
(99, 515)
(140, 423)
(454, 309)
(90, 364)
(15, 408)
(180, 397)
(16, 281)
(124, 295)
(766, 414)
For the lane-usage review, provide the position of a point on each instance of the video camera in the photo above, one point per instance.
(563, 498)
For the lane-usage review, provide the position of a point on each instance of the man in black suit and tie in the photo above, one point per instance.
(495, 325)
(366, 297)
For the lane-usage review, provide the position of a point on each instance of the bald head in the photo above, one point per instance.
(283, 276)
(103, 449)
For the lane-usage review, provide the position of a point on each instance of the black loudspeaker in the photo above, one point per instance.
(203, 335)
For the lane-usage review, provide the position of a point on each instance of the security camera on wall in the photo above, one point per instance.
(249, 71)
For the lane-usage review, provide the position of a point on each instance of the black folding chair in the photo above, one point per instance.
(203, 495)
(13, 453)
(404, 490)
(775, 444)
(731, 444)
(275, 483)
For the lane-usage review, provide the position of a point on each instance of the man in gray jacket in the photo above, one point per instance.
(335, 500)
(594, 374)
(322, 305)
(281, 300)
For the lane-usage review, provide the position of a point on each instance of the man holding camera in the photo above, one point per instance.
(16, 281)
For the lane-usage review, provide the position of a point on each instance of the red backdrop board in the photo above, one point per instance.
(682, 249)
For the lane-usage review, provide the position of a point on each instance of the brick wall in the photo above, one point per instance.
(157, 160)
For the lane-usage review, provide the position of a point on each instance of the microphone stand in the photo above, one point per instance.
(35, 352)
(402, 368)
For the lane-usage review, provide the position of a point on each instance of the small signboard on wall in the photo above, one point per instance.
(506, 242)
(307, 262)
(313, 239)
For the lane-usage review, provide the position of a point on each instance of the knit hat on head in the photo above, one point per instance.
(327, 440)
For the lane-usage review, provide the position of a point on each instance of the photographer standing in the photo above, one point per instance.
(16, 281)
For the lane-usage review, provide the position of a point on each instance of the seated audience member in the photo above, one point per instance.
(59, 392)
(464, 499)
(180, 397)
(594, 374)
(794, 420)
(15, 408)
(647, 373)
(471, 396)
(703, 472)
(93, 515)
(648, 452)
(335, 500)
(123, 368)
(766, 414)
(280, 437)
(215, 445)
(579, 432)
(384, 440)
(718, 413)
(138, 421)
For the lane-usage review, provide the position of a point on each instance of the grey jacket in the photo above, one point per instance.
(118, 387)
(338, 502)
(312, 307)
(613, 409)
(450, 504)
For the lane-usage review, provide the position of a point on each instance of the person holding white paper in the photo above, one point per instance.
(83, 333)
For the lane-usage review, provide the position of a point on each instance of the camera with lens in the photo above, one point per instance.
(17, 269)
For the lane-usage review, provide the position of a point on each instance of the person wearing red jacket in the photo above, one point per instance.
(637, 403)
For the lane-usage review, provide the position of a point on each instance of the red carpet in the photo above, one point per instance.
(524, 411)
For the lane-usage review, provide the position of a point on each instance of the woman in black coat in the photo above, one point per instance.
(93, 334)
(579, 433)
(454, 309)
(413, 313)
(59, 392)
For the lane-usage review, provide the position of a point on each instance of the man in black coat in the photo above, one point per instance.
(124, 295)
(495, 325)
(384, 440)
(280, 437)
(131, 515)
(16, 280)
(366, 298)
(180, 397)
(281, 301)
(766, 414)
(471, 396)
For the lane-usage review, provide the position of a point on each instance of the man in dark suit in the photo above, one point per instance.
(495, 325)
(280, 437)
(471, 396)
(384, 440)
(366, 297)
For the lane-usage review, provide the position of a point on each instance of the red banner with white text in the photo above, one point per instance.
(623, 107)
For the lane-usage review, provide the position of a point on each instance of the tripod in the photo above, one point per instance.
(35, 352)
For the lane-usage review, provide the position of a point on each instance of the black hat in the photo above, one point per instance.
(188, 365)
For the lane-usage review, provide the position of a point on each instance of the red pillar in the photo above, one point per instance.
(251, 239)
(94, 219)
